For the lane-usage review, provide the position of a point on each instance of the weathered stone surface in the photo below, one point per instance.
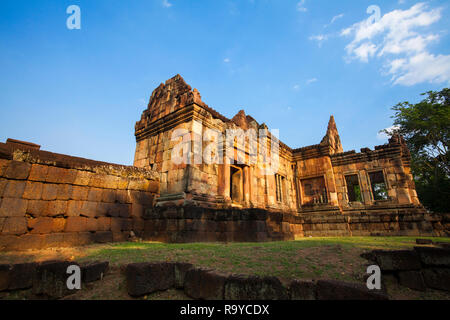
(302, 290)
(5, 275)
(50, 279)
(38, 173)
(181, 270)
(93, 271)
(13, 207)
(21, 276)
(145, 278)
(33, 190)
(424, 241)
(14, 189)
(437, 278)
(103, 237)
(17, 170)
(76, 224)
(412, 280)
(339, 290)
(439, 257)
(14, 225)
(205, 284)
(49, 191)
(239, 287)
(397, 260)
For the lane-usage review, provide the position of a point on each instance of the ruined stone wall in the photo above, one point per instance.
(52, 200)
(173, 107)
(388, 159)
(197, 224)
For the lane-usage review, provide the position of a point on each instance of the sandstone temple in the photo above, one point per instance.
(192, 182)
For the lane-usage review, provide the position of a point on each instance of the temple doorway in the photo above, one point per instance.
(236, 185)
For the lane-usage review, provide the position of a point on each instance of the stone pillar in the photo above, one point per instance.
(246, 181)
(224, 181)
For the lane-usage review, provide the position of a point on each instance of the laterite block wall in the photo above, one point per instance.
(51, 200)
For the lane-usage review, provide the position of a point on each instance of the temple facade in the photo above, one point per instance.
(317, 178)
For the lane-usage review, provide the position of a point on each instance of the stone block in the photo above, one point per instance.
(15, 225)
(397, 260)
(437, 278)
(40, 225)
(61, 175)
(3, 183)
(37, 208)
(180, 270)
(33, 190)
(3, 166)
(58, 225)
(104, 224)
(439, 257)
(205, 284)
(49, 191)
(21, 276)
(91, 224)
(339, 290)
(50, 279)
(145, 278)
(64, 192)
(38, 172)
(82, 178)
(14, 189)
(103, 237)
(239, 287)
(5, 274)
(123, 196)
(109, 196)
(56, 208)
(95, 194)
(17, 170)
(74, 208)
(76, 224)
(412, 280)
(93, 271)
(89, 209)
(302, 290)
(424, 241)
(79, 193)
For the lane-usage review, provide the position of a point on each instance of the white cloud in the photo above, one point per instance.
(226, 60)
(320, 38)
(301, 6)
(166, 4)
(383, 136)
(311, 80)
(296, 87)
(401, 39)
(333, 20)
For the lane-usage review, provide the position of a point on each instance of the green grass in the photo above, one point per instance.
(308, 258)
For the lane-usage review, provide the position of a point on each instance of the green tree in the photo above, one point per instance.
(426, 129)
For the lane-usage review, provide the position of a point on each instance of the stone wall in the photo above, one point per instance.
(53, 200)
(197, 224)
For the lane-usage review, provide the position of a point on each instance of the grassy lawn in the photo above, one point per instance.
(308, 258)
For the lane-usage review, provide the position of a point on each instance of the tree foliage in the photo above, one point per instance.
(426, 129)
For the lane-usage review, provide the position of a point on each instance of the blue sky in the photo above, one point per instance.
(290, 64)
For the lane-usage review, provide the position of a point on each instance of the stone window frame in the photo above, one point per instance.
(386, 182)
(282, 184)
(301, 191)
(352, 173)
